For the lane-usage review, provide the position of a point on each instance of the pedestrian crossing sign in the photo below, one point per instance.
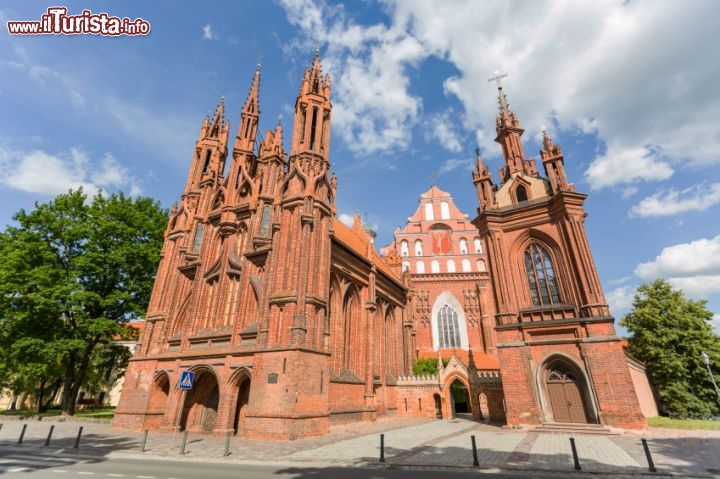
(186, 380)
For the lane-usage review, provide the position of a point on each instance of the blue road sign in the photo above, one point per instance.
(186, 380)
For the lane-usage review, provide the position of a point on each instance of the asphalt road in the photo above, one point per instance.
(16, 463)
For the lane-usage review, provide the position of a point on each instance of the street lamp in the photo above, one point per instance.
(706, 361)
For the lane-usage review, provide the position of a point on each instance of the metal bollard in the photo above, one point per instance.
(0, 426)
(144, 441)
(182, 444)
(476, 463)
(578, 467)
(227, 445)
(47, 441)
(651, 464)
(22, 434)
(382, 447)
(77, 439)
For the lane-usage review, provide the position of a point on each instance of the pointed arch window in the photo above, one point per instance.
(463, 246)
(448, 327)
(521, 193)
(418, 248)
(541, 276)
(197, 239)
(478, 245)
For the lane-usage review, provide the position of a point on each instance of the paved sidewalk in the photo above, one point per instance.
(408, 443)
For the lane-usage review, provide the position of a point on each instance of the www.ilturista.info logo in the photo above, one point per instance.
(57, 22)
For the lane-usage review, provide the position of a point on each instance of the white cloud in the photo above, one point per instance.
(671, 202)
(440, 127)
(346, 219)
(632, 165)
(715, 322)
(620, 299)
(45, 174)
(208, 33)
(453, 164)
(623, 70)
(693, 267)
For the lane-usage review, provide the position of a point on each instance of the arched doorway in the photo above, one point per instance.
(158, 403)
(566, 393)
(201, 404)
(460, 397)
(243, 385)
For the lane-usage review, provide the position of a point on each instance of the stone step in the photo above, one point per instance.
(576, 428)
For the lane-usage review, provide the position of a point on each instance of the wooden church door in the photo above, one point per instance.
(565, 397)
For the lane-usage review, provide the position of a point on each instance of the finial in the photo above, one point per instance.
(257, 68)
(477, 150)
(317, 52)
(279, 118)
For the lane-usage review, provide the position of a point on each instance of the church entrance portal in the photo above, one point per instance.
(201, 404)
(242, 403)
(460, 397)
(565, 394)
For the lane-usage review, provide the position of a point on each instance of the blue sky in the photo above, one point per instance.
(628, 90)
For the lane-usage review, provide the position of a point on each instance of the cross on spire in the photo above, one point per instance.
(498, 76)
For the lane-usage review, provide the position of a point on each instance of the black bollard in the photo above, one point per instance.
(578, 467)
(22, 434)
(47, 441)
(476, 463)
(382, 447)
(0, 426)
(182, 444)
(651, 464)
(77, 439)
(144, 441)
(227, 445)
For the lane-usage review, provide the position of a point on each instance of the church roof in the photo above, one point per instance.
(361, 246)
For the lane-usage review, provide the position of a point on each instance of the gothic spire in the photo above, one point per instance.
(249, 116)
(218, 119)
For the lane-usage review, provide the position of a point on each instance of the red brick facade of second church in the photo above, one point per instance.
(292, 321)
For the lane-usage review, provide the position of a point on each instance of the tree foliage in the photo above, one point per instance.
(73, 271)
(669, 332)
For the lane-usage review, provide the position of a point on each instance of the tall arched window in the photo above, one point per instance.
(463, 246)
(418, 248)
(420, 267)
(541, 276)
(435, 266)
(429, 215)
(466, 265)
(451, 266)
(478, 245)
(444, 210)
(448, 328)
(404, 251)
(481, 266)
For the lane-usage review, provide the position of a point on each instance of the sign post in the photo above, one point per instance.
(184, 384)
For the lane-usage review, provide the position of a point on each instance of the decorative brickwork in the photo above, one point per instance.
(292, 322)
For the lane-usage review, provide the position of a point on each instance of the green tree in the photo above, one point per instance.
(669, 332)
(74, 271)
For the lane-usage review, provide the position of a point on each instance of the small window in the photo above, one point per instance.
(404, 248)
(444, 210)
(418, 248)
(463, 246)
(481, 266)
(406, 266)
(435, 266)
(478, 246)
(521, 193)
(265, 221)
(420, 267)
(429, 215)
(206, 165)
(451, 266)
(466, 265)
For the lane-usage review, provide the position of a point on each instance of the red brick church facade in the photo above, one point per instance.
(292, 321)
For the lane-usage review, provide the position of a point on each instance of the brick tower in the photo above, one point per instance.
(560, 358)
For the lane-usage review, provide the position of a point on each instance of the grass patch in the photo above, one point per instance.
(104, 413)
(660, 421)
(26, 413)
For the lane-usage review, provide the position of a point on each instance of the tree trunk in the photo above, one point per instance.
(76, 379)
(41, 395)
(67, 403)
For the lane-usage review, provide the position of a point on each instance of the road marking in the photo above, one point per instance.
(19, 469)
(115, 475)
(58, 470)
(145, 477)
(85, 473)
